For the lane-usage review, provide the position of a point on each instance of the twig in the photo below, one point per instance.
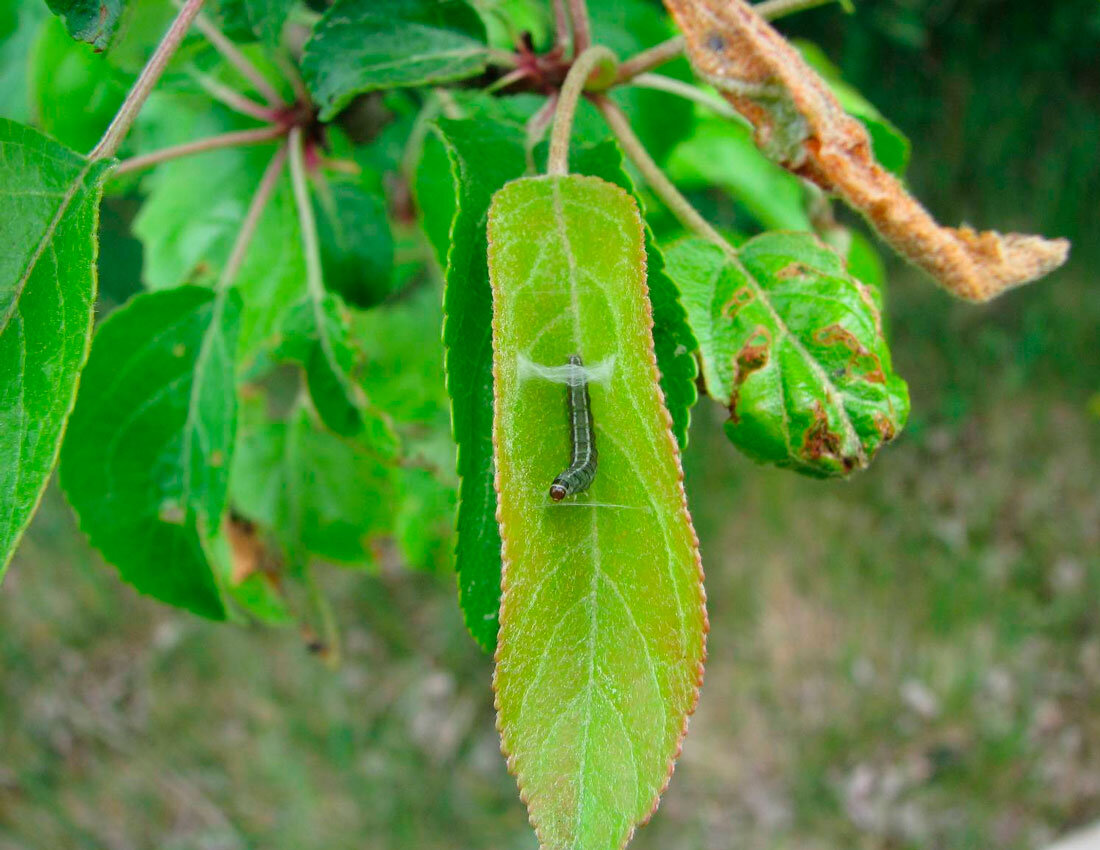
(575, 82)
(513, 76)
(658, 182)
(770, 10)
(561, 24)
(582, 33)
(232, 98)
(256, 208)
(108, 146)
(239, 138)
(688, 92)
(239, 61)
(649, 59)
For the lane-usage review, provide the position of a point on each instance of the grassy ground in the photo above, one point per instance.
(908, 660)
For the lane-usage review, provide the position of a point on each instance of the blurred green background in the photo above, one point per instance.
(907, 660)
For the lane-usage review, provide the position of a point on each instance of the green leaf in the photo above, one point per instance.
(316, 335)
(356, 242)
(49, 222)
(890, 145)
(365, 45)
(20, 24)
(485, 154)
(93, 21)
(672, 337)
(722, 153)
(602, 620)
(75, 91)
(146, 464)
(793, 345)
(317, 493)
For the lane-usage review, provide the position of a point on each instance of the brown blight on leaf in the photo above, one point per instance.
(800, 124)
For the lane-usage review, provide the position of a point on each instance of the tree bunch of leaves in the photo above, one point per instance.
(358, 246)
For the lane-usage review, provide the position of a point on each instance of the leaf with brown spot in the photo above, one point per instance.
(793, 345)
(801, 125)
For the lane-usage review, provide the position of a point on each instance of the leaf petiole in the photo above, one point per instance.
(236, 139)
(233, 99)
(256, 208)
(575, 83)
(239, 61)
(659, 82)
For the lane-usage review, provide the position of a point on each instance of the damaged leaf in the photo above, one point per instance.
(800, 124)
(793, 345)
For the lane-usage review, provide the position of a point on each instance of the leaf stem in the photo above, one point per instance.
(256, 208)
(236, 139)
(649, 59)
(233, 99)
(239, 61)
(575, 82)
(688, 91)
(311, 248)
(658, 182)
(108, 146)
(582, 32)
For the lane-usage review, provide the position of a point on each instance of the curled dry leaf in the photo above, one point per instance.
(800, 124)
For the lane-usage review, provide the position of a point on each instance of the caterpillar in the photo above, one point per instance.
(578, 476)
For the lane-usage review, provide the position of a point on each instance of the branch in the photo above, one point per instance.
(108, 146)
(239, 138)
(575, 82)
(658, 182)
(239, 61)
(689, 92)
(252, 218)
(582, 32)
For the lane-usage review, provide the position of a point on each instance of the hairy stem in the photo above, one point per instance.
(237, 139)
(233, 99)
(575, 82)
(108, 146)
(239, 61)
(256, 209)
(649, 59)
(582, 32)
(658, 182)
(688, 92)
(535, 131)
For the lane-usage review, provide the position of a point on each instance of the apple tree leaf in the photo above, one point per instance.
(602, 617)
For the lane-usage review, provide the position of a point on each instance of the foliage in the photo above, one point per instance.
(279, 396)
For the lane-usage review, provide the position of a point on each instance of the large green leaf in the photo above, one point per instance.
(602, 619)
(364, 45)
(146, 464)
(93, 21)
(793, 345)
(317, 493)
(485, 154)
(49, 218)
(672, 337)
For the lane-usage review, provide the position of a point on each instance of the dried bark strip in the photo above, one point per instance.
(801, 125)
